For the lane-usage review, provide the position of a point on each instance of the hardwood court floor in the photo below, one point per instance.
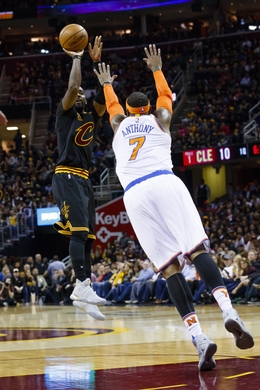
(135, 348)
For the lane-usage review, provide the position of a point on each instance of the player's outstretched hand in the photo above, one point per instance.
(104, 75)
(74, 53)
(96, 50)
(153, 60)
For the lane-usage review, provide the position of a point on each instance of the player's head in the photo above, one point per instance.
(138, 104)
(81, 100)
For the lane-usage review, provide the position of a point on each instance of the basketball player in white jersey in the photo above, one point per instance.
(160, 207)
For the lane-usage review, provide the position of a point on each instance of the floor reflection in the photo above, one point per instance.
(232, 374)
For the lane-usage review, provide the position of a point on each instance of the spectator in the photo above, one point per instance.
(7, 293)
(31, 283)
(242, 281)
(18, 142)
(122, 281)
(41, 283)
(103, 277)
(97, 255)
(126, 288)
(145, 274)
(55, 265)
(123, 240)
(20, 289)
(254, 259)
(161, 293)
(41, 267)
(203, 193)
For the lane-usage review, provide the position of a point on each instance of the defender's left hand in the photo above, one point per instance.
(104, 75)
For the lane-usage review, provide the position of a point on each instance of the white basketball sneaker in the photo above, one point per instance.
(92, 310)
(206, 349)
(233, 324)
(83, 292)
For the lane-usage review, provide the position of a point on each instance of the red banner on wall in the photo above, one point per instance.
(111, 221)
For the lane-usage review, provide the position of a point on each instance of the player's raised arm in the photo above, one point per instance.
(95, 52)
(154, 62)
(114, 108)
(74, 80)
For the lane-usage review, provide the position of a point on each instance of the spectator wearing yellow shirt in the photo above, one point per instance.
(114, 280)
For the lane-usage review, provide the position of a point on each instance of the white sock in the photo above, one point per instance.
(192, 323)
(222, 297)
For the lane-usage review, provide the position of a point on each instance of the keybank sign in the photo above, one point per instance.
(111, 221)
(47, 216)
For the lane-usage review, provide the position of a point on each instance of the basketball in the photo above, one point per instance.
(73, 37)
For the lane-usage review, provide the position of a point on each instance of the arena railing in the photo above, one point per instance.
(249, 131)
(193, 62)
(253, 111)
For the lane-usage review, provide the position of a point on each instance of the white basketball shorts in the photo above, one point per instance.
(165, 220)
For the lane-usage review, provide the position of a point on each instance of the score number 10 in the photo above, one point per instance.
(227, 153)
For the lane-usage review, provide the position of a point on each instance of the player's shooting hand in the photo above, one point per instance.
(104, 75)
(96, 50)
(3, 120)
(153, 60)
(74, 53)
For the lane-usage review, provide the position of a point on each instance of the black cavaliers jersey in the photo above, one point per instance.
(75, 136)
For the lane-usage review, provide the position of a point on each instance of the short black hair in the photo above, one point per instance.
(137, 99)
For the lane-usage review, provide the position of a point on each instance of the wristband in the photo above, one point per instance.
(76, 56)
(106, 82)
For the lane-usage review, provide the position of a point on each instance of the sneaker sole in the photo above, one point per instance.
(209, 362)
(243, 338)
(97, 316)
(101, 301)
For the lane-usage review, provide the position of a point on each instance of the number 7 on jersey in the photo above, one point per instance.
(139, 141)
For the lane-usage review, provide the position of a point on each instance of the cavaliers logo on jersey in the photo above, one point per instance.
(84, 136)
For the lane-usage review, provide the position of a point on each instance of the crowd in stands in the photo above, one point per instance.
(110, 39)
(156, 32)
(227, 86)
(122, 273)
(35, 280)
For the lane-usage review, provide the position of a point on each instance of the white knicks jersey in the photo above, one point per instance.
(141, 147)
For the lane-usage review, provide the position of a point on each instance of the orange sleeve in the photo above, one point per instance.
(164, 99)
(113, 106)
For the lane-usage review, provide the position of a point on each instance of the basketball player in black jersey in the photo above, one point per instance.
(75, 127)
